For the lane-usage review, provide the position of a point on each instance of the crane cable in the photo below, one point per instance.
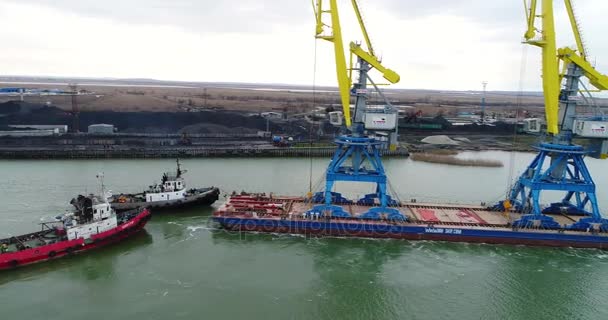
(314, 104)
(522, 73)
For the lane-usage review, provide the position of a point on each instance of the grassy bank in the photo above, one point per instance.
(452, 160)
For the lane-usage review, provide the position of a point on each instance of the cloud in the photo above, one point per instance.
(54, 42)
(439, 44)
(191, 15)
(487, 13)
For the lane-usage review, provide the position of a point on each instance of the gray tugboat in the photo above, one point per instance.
(171, 193)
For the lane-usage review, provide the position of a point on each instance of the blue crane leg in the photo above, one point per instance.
(360, 151)
(568, 173)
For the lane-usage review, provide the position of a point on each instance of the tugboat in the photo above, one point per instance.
(92, 225)
(171, 193)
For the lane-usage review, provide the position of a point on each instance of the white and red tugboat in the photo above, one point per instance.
(92, 225)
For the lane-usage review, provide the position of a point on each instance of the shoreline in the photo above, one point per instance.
(194, 152)
(149, 153)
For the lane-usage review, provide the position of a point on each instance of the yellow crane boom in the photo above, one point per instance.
(597, 79)
(335, 36)
(388, 74)
(575, 29)
(550, 64)
(551, 57)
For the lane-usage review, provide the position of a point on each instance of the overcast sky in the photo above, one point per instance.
(433, 44)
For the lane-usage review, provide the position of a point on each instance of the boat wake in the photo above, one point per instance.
(201, 227)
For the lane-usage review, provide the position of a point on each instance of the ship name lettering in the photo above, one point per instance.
(442, 230)
(453, 231)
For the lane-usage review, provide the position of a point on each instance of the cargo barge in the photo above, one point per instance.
(423, 221)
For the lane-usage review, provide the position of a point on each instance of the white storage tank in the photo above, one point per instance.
(101, 128)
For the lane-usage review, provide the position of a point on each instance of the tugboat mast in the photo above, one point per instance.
(100, 176)
(179, 170)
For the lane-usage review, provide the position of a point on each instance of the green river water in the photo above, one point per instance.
(181, 268)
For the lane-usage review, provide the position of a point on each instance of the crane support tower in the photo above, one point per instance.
(360, 145)
(559, 165)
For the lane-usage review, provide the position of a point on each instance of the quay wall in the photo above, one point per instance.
(174, 153)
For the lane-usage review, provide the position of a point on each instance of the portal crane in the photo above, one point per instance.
(363, 118)
(559, 165)
(357, 148)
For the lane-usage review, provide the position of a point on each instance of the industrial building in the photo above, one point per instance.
(57, 128)
(101, 128)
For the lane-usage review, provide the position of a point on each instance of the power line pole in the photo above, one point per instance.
(205, 96)
(483, 101)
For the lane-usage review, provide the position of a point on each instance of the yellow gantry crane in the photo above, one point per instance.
(552, 57)
(560, 164)
(332, 32)
(357, 155)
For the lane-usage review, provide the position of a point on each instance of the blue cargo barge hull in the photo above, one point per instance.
(456, 223)
(497, 235)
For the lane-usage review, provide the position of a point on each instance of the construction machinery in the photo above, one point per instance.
(282, 141)
(559, 165)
